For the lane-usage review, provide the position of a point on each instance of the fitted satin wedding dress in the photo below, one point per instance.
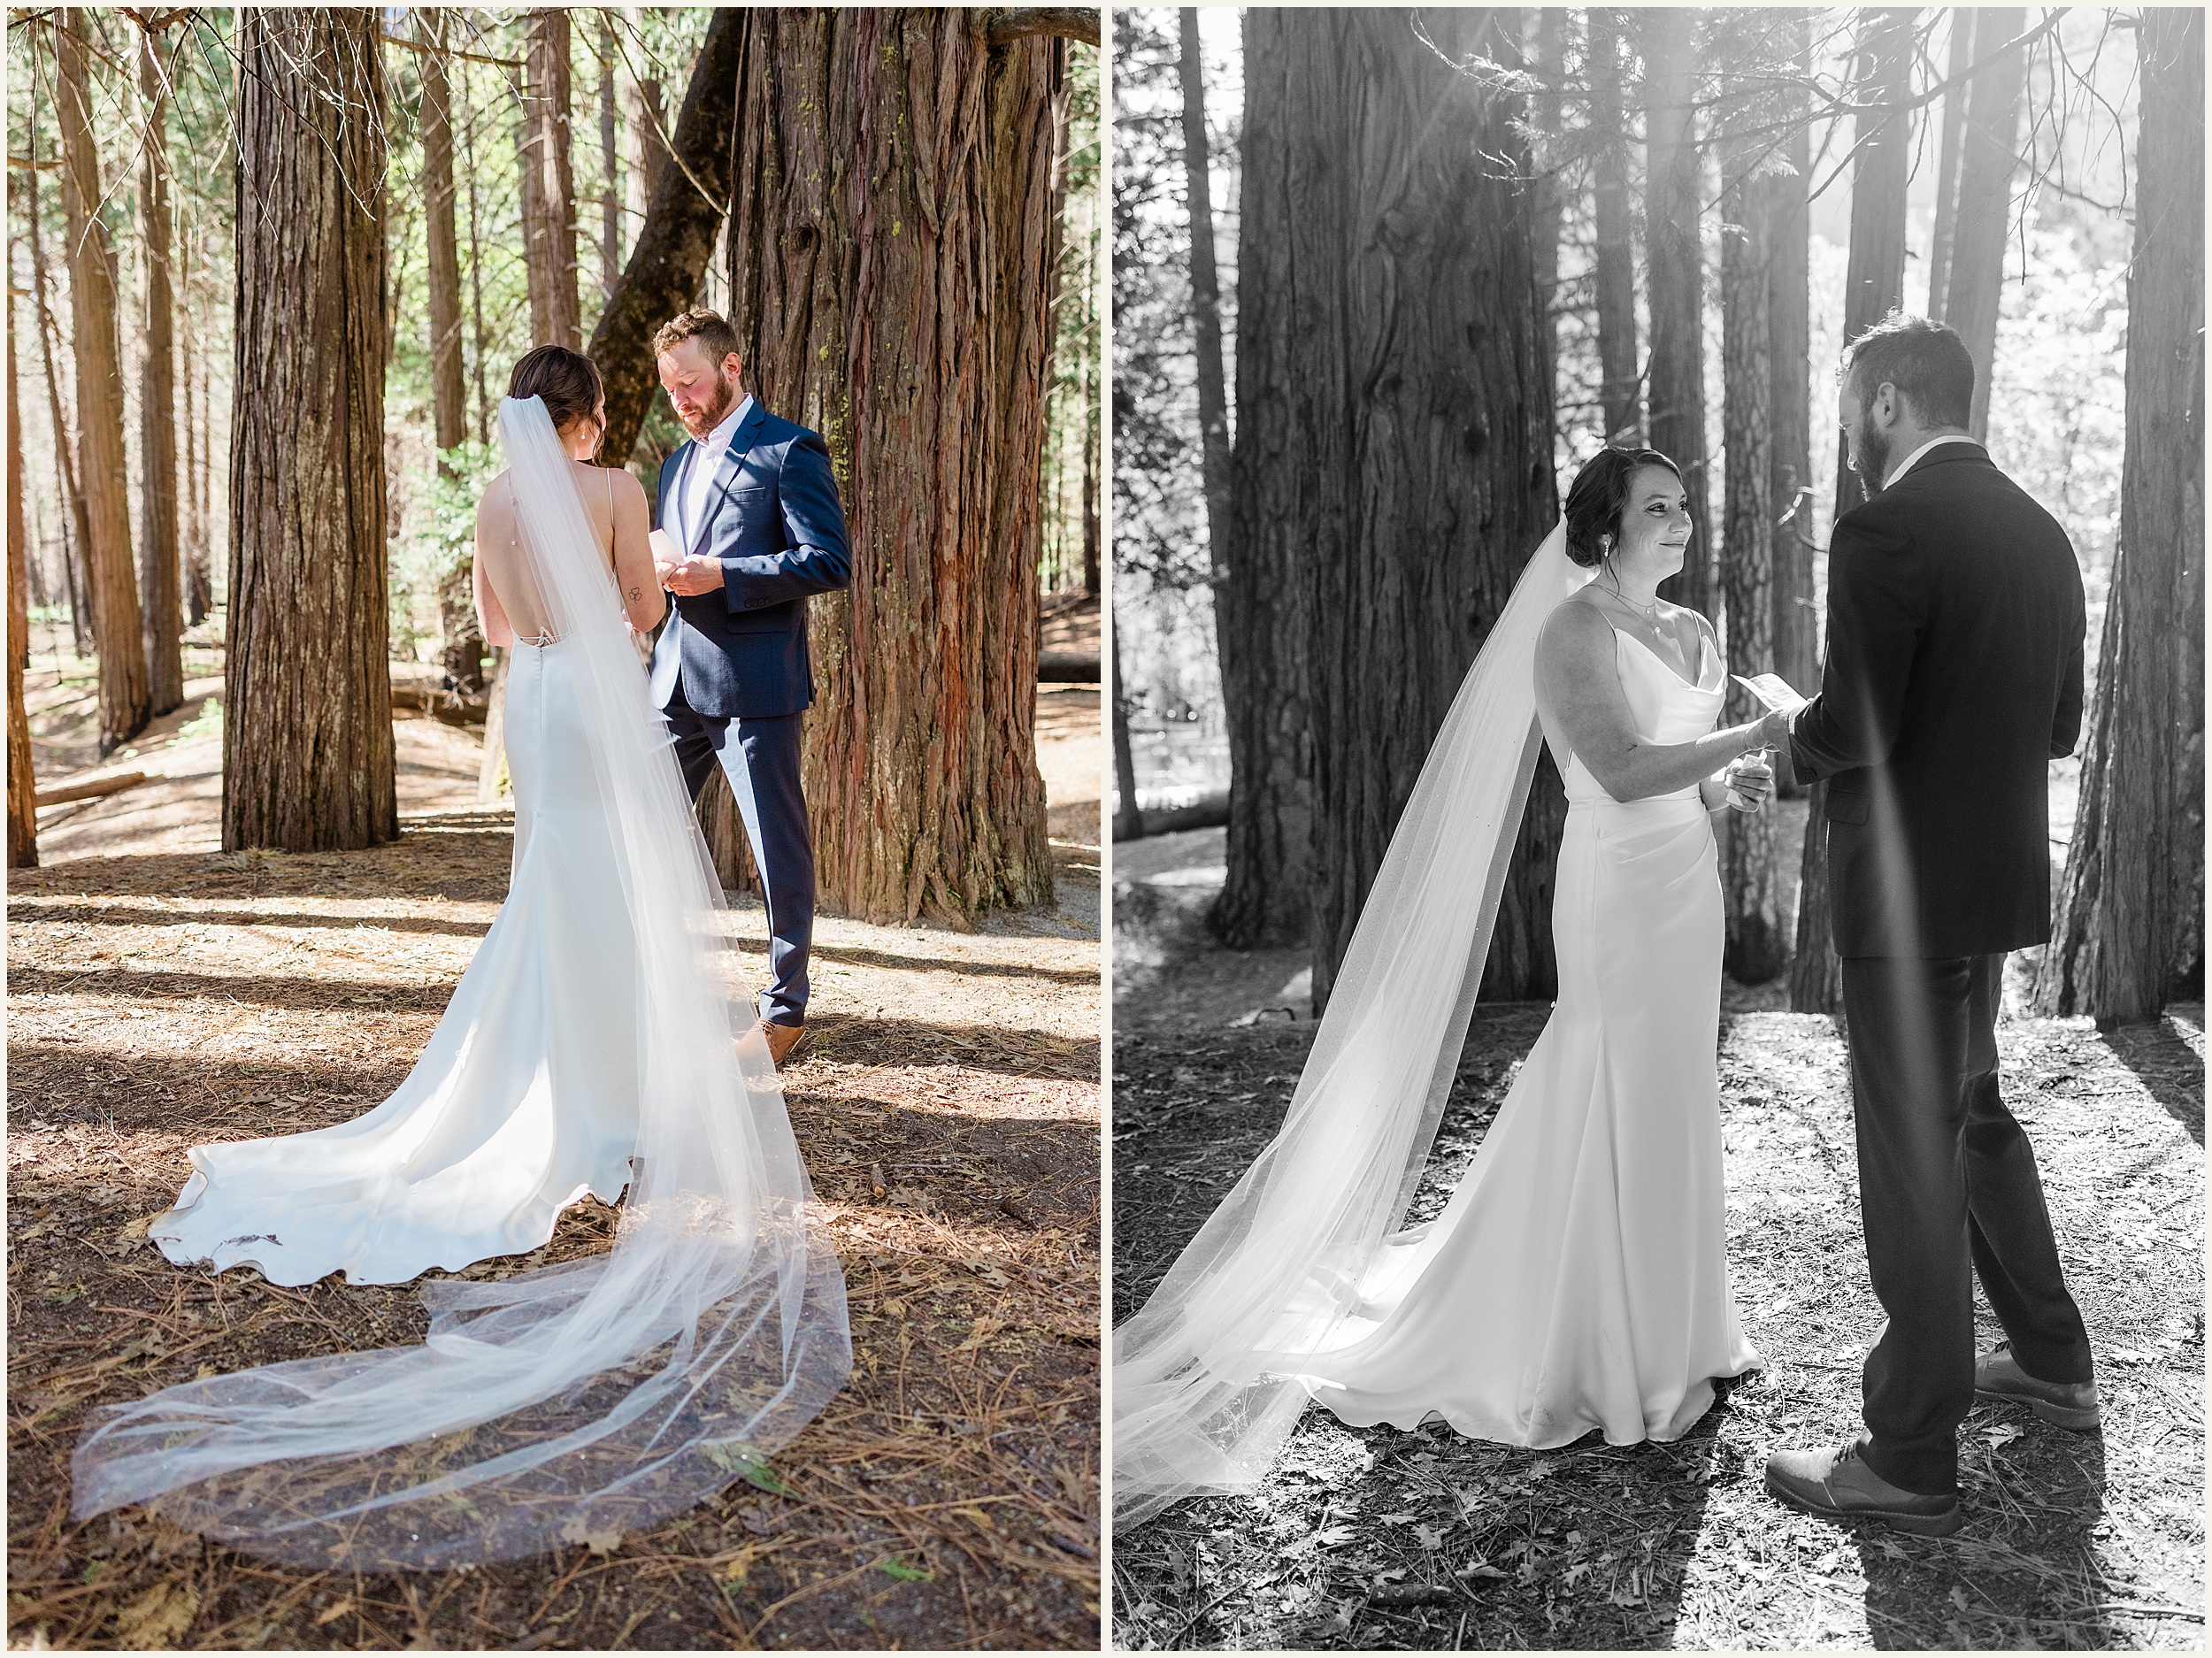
(526, 1097)
(1578, 1278)
(597, 1039)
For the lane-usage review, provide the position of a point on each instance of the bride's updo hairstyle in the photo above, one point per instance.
(1599, 495)
(567, 380)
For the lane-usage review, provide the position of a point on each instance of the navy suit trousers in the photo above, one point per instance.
(760, 757)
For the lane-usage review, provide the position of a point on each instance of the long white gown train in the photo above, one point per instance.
(525, 1096)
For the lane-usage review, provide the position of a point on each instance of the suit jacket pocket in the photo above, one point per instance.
(1852, 807)
(770, 618)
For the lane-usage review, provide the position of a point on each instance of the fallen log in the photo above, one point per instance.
(448, 706)
(1066, 667)
(91, 789)
(1172, 811)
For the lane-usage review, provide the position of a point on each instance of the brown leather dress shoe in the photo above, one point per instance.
(1998, 1375)
(1834, 1483)
(782, 1039)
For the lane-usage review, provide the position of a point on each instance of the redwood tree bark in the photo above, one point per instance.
(894, 242)
(159, 559)
(117, 623)
(307, 727)
(1621, 392)
(548, 183)
(2129, 928)
(1262, 608)
(1677, 292)
(1547, 48)
(1757, 949)
(1414, 462)
(1985, 202)
(1874, 284)
(464, 653)
(22, 788)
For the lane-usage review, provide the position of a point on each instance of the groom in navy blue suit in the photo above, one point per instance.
(749, 508)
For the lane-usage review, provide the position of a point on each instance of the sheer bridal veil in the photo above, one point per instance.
(582, 1400)
(1205, 1386)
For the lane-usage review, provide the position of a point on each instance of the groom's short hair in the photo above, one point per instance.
(714, 334)
(1927, 363)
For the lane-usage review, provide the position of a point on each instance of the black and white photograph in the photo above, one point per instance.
(1657, 828)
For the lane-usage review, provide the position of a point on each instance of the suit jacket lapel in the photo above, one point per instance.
(725, 475)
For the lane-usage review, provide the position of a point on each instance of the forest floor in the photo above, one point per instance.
(1378, 1537)
(162, 993)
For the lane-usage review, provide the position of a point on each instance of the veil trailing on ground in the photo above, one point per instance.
(1206, 1383)
(584, 1400)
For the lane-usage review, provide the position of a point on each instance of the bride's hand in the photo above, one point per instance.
(1749, 780)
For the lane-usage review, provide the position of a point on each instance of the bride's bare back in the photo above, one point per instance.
(507, 601)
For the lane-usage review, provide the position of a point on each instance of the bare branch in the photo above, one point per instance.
(1074, 23)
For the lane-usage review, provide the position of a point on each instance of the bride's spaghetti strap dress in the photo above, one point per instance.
(1578, 1278)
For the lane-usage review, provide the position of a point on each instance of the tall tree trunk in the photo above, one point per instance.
(548, 183)
(2129, 924)
(160, 559)
(22, 788)
(1401, 290)
(76, 518)
(1128, 821)
(1257, 880)
(901, 304)
(1620, 391)
(672, 247)
(118, 625)
(1874, 284)
(476, 272)
(610, 165)
(1676, 293)
(1260, 611)
(307, 762)
(1756, 948)
(1961, 58)
(1796, 624)
(463, 655)
(198, 592)
(1985, 167)
(649, 148)
(1547, 48)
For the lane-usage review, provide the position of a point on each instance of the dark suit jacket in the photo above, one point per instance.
(1953, 676)
(772, 521)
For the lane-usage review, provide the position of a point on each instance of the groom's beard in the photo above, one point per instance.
(1872, 451)
(725, 399)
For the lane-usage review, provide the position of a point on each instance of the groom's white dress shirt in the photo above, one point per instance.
(699, 470)
(1907, 465)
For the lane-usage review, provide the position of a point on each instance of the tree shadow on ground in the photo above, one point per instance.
(2025, 1574)
(2167, 1065)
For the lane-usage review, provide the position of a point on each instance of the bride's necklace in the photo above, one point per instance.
(1649, 612)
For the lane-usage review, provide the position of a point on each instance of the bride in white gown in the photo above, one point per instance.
(1577, 1278)
(596, 1042)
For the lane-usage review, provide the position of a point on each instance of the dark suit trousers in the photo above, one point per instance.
(1947, 1191)
(761, 759)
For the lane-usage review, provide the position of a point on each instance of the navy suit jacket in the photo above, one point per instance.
(1953, 679)
(772, 520)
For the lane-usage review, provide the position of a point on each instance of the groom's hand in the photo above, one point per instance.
(690, 577)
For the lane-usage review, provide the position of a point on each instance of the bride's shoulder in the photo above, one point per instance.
(498, 498)
(1575, 625)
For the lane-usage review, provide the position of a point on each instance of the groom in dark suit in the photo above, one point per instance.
(754, 529)
(1953, 677)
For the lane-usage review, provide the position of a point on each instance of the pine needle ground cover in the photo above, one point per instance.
(946, 1102)
(1375, 1538)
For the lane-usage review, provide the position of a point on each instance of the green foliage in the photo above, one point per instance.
(436, 539)
(748, 1464)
